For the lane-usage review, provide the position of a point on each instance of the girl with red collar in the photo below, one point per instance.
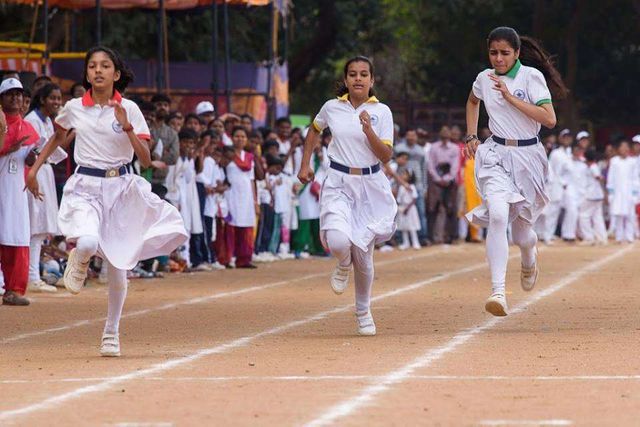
(106, 209)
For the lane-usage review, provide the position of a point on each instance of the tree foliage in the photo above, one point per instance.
(424, 50)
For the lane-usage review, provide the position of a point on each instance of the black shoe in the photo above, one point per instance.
(247, 266)
(12, 298)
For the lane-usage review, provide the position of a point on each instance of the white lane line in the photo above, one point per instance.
(198, 300)
(370, 378)
(54, 401)
(526, 422)
(369, 393)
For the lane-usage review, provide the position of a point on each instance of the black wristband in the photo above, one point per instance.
(470, 138)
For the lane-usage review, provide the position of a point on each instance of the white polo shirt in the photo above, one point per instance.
(505, 120)
(100, 141)
(349, 145)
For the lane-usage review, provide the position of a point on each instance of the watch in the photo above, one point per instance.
(470, 138)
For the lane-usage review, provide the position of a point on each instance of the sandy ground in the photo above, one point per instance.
(276, 347)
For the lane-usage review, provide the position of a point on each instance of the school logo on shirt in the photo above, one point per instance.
(519, 93)
(374, 119)
(117, 127)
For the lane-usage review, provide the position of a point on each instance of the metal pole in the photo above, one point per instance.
(227, 57)
(45, 29)
(98, 23)
(270, 109)
(214, 54)
(160, 71)
(74, 31)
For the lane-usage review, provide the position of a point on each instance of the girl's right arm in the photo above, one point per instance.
(473, 114)
(313, 137)
(31, 183)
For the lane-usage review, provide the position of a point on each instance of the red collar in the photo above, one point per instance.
(87, 100)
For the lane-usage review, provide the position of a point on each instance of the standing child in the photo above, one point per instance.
(43, 214)
(592, 211)
(105, 208)
(408, 219)
(622, 185)
(183, 193)
(281, 187)
(242, 200)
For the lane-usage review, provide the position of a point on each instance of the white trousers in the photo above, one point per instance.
(591, 221)
(624, 228)
(35, 248)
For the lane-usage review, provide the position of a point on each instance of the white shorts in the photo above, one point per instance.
(361, 206)
(129, 221)
(515, 174)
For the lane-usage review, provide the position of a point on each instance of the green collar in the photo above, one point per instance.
(513, 71)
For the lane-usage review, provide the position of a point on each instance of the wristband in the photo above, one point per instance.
(470, 138)
(127, 128)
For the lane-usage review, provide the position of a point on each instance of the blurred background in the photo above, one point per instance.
(274, 58)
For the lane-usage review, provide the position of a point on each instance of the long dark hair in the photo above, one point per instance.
(533, 55)
(126, 75)
(42, 93)
(341, 88)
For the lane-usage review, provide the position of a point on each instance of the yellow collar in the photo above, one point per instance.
(345, 98)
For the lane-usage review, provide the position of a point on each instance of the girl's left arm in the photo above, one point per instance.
(139, 147)
(382, 151)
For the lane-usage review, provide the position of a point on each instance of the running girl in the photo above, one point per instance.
(511, 165)
(105, 208)
(357, 207)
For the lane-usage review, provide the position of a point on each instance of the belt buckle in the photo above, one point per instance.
(511, 142)
(355, 171)
(112, 173)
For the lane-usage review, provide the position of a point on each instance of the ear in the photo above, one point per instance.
(116, 76)
(516, 53)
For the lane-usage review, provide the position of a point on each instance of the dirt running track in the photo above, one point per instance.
(276, 347)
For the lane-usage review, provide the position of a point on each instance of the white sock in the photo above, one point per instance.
(414, 238)
(405, 238)
(526, 239)
(117, 281)
(497, 244)
(86, 247)
(340, 246)
(363, 274)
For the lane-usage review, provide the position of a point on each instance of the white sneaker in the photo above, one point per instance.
(217, 266)
(40, 286)
(366, 326)
(497, 305)
(340, 279)
(285, 256)
(110, 346)
(403, 247)
(203, 267)
(1, 291)
(75, 273)
(417, 247)
(529, 277)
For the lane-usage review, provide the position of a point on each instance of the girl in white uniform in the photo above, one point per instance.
(357, 207)
(106, 209)
(43, 214)
(511, 165)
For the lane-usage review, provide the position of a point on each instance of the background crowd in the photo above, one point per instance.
(236, 187)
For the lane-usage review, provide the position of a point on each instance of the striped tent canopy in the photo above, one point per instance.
(131, 4)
